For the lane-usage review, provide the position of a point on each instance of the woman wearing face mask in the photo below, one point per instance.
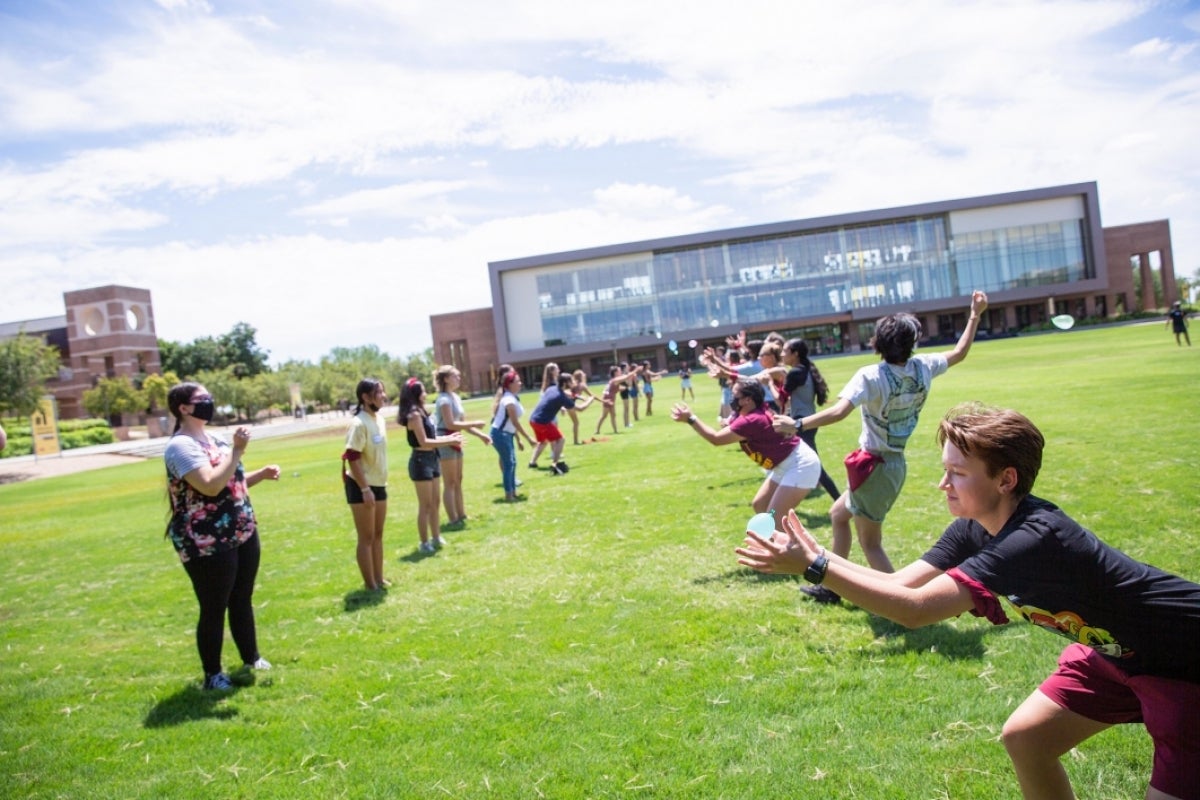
(214, 530)
(364, 476)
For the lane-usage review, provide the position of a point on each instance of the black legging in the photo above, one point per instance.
(810, 438)
(225, 581)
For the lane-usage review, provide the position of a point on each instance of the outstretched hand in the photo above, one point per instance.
(680, 412)
(787, 552)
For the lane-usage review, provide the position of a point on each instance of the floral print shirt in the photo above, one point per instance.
(201, 525)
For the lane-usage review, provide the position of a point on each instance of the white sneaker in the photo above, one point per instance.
(260, 663)
(426, 547)
(438, 543)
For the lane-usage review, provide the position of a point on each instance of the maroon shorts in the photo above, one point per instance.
(545, 432)
(1092, 686)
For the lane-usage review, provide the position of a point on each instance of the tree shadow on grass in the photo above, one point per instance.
(945, 640)
(190, 704)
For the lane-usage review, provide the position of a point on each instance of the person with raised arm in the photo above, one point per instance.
(890, 395)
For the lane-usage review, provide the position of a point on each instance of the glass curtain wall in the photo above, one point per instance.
(788, 277)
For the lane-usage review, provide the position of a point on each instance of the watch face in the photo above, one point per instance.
(816, 570)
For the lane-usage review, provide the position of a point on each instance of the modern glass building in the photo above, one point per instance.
(1037, 253)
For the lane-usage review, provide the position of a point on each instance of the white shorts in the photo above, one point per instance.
(801, 469)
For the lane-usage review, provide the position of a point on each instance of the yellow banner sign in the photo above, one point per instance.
(45, 428)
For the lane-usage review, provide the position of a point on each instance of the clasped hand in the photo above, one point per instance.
(241, 437)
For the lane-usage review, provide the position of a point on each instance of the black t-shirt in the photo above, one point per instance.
(1059, 576)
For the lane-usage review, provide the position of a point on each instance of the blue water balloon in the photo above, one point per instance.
(762, 524)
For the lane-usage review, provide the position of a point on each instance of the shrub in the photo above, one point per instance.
(72, 433)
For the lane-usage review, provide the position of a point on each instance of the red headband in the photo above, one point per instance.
(509, 377)
(411, 382)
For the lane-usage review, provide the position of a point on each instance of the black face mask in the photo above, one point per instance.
(204, 410)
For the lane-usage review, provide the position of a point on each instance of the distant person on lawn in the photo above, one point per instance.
(543, 420)
(425, 463)
(364, 479)
(451, 417)
(1135, 629)
(1177, 319)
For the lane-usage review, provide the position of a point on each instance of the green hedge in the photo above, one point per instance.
(72, 433)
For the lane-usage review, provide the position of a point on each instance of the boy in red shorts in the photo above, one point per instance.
(1135, 629)
(555, 399)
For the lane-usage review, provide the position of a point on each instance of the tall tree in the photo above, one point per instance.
(189, 360)
(26, 363)
(420, 366)
(240, 350)
(237, 349)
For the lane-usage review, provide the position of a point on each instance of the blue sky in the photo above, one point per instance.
(333, 173)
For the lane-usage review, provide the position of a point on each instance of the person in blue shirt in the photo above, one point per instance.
(545, 427)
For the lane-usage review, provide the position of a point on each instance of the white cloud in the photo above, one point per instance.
(418, 138)
(400, 201)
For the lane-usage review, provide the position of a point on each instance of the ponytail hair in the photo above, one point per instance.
(410, 399)
(180, 395)
(365, 386)
(503, 373)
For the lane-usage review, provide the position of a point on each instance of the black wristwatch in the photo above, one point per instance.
(816, 570)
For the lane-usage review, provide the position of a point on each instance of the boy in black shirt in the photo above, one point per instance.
(1135, 629)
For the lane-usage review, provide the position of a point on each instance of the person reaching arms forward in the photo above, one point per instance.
(1135, 629)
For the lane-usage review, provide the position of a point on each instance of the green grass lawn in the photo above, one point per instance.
(597, 640)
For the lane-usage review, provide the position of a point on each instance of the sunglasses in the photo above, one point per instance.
(203, 398)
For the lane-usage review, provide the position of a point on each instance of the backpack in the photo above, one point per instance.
(820, 387)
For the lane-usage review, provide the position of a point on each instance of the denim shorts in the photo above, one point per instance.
(424, 465)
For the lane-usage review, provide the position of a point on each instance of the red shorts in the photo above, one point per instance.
(1092, 686)
(545, 432)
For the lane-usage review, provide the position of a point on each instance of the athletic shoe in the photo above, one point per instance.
(560, 468)
(426, 547)
(820, 594)
(217, 683)
(533, 465)
(260, 663)
(438, 543)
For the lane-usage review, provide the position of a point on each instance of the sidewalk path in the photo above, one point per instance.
(81, 459)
